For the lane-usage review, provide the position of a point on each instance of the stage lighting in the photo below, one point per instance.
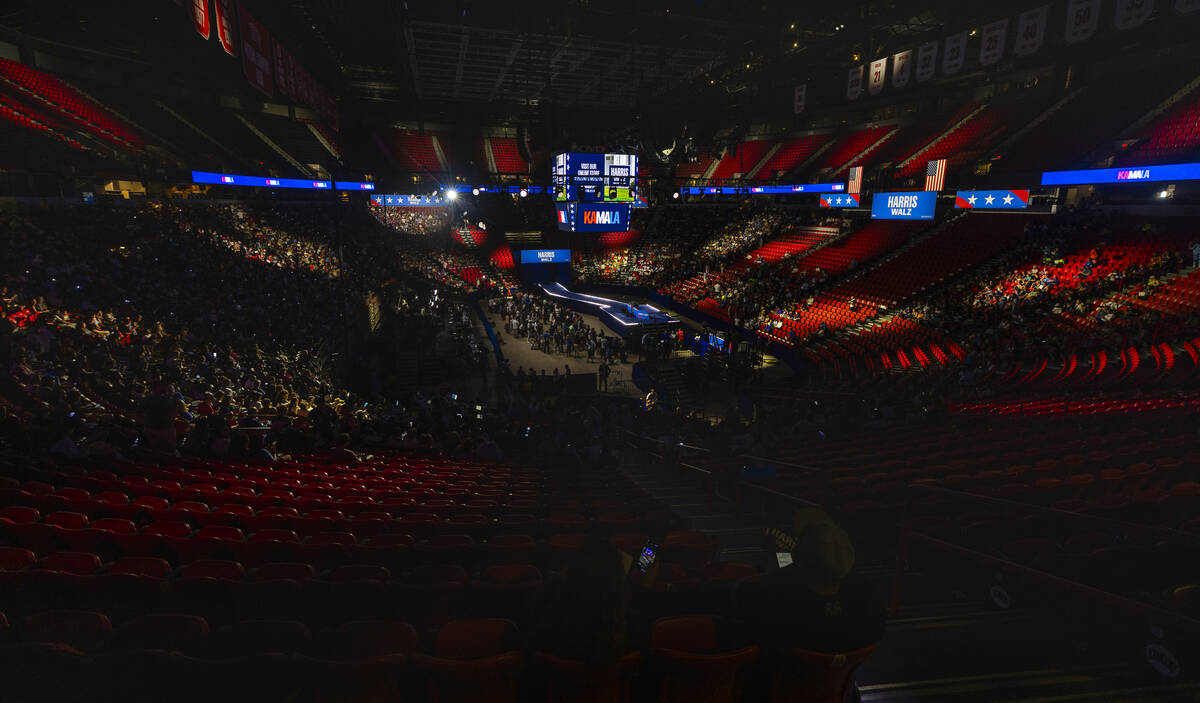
(451, 195)
(474, 191)
(524, 193)
(675, 195)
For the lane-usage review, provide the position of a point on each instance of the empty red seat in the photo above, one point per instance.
(141, 566)
(78, 563)
(83, 630)
(214, 568)
(16, 558)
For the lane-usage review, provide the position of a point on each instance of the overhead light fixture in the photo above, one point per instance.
(524, 193)
(474, 191)
(452, 194)
(1162, 194)
(792, 27)
(675, 195)
(974, 32)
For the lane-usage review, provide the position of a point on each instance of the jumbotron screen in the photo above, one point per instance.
(595, 178)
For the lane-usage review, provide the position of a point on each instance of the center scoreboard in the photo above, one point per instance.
(594, 192)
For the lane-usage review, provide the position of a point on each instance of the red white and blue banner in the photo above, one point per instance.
(901, 68)
(877, 76)
(256, 53)
(854, 79)
(926, 61)
(992, 199)
(1083, 17)
(991, 45)
(1031, 30)
(200, 18)
(847, 200)
(956, 51)
(1132, 13)
(854, 179)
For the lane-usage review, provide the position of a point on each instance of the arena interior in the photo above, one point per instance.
(679, 351)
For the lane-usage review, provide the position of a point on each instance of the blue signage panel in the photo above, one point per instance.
(229, 179)
(1134, 174)
(847, 200)
(593, 217)
(913, 205)
(992, 199)
(545, 256)
(354, 185)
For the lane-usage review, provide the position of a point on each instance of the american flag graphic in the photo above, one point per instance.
(935, 175)
(854, 185)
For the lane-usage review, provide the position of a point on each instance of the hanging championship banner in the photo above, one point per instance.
(1132, 13)
(956, 49)
(284, 69)
(1083, 17)
(1031, 30)
(798, 98)
(854, 82)
(256, 52)
(991, 46)
(901, 68)
(878, 73)
(225, 26)
(200, 18)
(926, 61)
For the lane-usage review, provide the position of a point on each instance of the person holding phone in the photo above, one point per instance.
(815, 602)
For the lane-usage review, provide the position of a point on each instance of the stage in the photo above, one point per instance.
(623, 318)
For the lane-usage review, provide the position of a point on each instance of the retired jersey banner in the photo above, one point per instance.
(200, 18)
(799, 97)
(878, 73)
(956, 50)
(1083, 17)
(285, 70)
(1031, 30)
(226, 32)
(1132, 13)
(1187, 7)
(926, 61)
(847, 200)
(901, 68)
(256, 52)
(992, 199)
(991, 45)
(854, 82)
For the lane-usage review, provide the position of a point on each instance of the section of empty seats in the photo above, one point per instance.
(507, 156)
(970, 138)
(740, 159)
(1091, 118)
(68, 103)
(844, 151)
(791, 153)
(412, 150)
(1174, 136)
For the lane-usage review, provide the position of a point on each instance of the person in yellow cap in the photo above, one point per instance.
(815, 603)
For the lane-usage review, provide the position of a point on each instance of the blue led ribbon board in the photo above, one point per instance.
(1125, 174)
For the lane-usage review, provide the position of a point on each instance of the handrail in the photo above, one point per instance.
(1080, 517)
(1067, 584)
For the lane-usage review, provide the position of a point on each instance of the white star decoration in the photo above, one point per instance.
(989, 200)
(1008, 200)
(972, 199)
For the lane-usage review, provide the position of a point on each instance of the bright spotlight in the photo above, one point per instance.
(474, 191)
(452, 195)
(675, 195)
(524, 193)
(1162, 194)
